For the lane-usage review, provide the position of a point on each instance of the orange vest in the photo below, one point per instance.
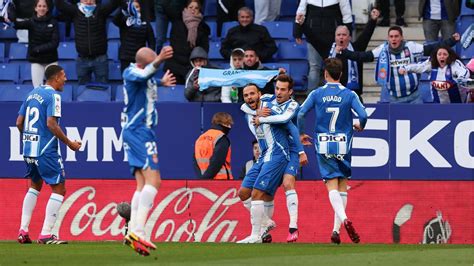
(203, 150)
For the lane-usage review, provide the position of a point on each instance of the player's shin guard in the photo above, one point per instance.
(337, 221)
(147, 197)
(292, 205)
(29, 203)
(337, 204)
(52, 209)
(256, 214)
(269, 208)
(134, 209)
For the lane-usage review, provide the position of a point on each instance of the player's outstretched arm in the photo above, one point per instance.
(53, 126)
(286, 116)
(166, 53)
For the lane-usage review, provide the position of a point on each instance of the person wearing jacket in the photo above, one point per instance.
(212, 152)
(135, 33)
(229, 94)
(250, 34)
(187, 32)
(89, 20)
(198, 59)
(43, 40)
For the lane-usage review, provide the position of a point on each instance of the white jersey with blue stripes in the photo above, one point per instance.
(41, 103)
(140, 95)
(402, 85)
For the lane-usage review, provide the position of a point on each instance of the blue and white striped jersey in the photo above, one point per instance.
(402, 85)
(333, 104)
(435, 10)
(40, 104)
(140, 95)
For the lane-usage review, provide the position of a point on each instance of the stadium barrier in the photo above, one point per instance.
(401, 142)
(210, 211)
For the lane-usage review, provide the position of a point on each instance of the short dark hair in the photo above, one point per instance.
(221, 118)
(285, 78)
(397, 28)
(334, 67)
(52, 71)
(452, 56)
(254, 142)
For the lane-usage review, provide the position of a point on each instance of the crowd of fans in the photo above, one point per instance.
(326, 25)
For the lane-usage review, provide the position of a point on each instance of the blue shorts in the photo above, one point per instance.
(45, 167)
(333, 167)
(266, 176)
(293, 164)
(140, 146)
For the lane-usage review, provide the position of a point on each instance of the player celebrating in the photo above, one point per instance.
(138, 119)
(38, 120)
(288, 107)
(333, 103)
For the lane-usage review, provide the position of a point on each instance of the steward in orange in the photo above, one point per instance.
(212, 149)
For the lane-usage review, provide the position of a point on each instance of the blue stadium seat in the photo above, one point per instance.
(66, 95)
(226, 26)
(213, 26)
(7, 34)
(2, 52)
(93, 93)
(463, 23)
(18, 52)
(296, 56)
(14, 93)
(62, 32)
(277, 65)
(288, 10)
(280, 29)
(466, 10)
(67, 51)
(113, 32)
(250, 4)
(292, 50)
(210, 8)
(113, 50)
(25, 73)
(114, 72)
(171, 94)
(70, 70)
(9, 73)
(119, 93)
(214, 50)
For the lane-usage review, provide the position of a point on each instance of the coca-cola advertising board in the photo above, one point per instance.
(210, 211)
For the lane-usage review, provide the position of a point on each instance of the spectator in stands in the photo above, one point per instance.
(227, 11)
(24, 9)
(212, 150)
(445, 68)
(187, 32)
(166, 11)
(6, 7)
(318, 20)
(230, 94)
(250, 163)
(249, 34)
(198, 59)
(384, 6)
(135, 33)
(395, 53)
(43, 40)
(439, 16)
(90, 36)
(352, 75)
(266, 10)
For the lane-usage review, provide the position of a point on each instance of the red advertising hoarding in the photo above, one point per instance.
(210, 211)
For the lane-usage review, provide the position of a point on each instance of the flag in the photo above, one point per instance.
(234, 77)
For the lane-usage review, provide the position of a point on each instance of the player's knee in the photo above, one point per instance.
(258, 195)
(288, 184)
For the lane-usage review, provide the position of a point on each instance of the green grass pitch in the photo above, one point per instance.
(114, 253)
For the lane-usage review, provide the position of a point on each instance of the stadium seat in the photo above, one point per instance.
(213, 26)
(70, 70)
(114, 72)
(171, 94)
(2, 52)
(93, 93)
(465, 10)
(113, 32)
(113, 50)
(288, 10)
(226, 26)
(14, 93)
(280, 29)
(7, 34)
(277, 65)
(62, 32)
(295, 55)
(18, 52)
(66, 95)
(210, 9)
(214, 50)
(9, 73)
(67, 51)
(25, 73)
(463, 23)
(292, 50)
